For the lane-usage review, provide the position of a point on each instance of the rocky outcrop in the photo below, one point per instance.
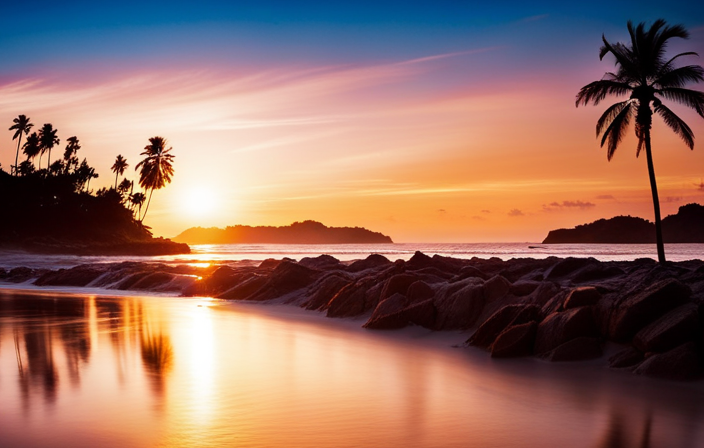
(561, 310)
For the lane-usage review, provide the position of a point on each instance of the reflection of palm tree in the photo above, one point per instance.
(119, 167)
(157, 356)
(157, 167)
(48, 138)
(21, 126)
(644, 74)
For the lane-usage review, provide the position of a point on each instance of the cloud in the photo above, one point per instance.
(478, 218)
(700, 186)
(568, 204)
(442, 210)
(486, 211)
(672, 199)
(516, 212)
(606, 196)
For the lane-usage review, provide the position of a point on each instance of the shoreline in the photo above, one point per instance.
(558, 309)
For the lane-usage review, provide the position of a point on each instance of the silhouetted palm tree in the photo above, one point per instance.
(70, 159)
(645, 75)
(157, 167)
(21, 125)
(119, 167)
(48, 138)
(32, 147)
(137, 200)
(125, 186)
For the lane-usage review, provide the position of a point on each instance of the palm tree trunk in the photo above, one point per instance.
(17, 154)
(116, 174)
(151, 192)
(48, 162)
(656, 201)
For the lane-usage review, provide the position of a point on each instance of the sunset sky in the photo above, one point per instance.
(441, 121)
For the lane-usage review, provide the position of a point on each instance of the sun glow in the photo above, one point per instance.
(199, 201)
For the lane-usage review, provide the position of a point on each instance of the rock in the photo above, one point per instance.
(594, 272)
(321, 292)
(20, 275)
(419, 291)
(469, 272)
(671, 330)
(373, 261)
(577, 349)
(568, 266)
(421, 313)
(80, 275)
(152, 281)
(627, 357)
(583, 296)
(564, 326)
(515, 341)
(244, 289)
(459, 309)
(523, 287)
(543, 293)
(287, 277)
(271, 263)
(448, 264)
(555, 304)
(398, 284)
(388, 315)
(349, 301)
(680, 363)
(321, 262)
(496, 288)
(640, 309)
(488, 331)
(419, 261)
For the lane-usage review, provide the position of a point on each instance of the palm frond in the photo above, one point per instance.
(596, 91)
(667, 66)
(687, 97)
(676, 124)
(679, 77)
(614, 133)
(609, 115)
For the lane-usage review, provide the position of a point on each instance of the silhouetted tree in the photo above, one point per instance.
(137, 199)
(70, 159)
(26, 168)
(156, 168)
(119, 167)
(21, 126)
(32, 147)
(124, 186)
(645, 75)
(47, 139)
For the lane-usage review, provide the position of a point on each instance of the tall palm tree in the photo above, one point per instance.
(48, 138)
(21, 126)
(137, 199)
(32, 147)
(646, 76)
(119, 167)
(70, 159)
(156, 168)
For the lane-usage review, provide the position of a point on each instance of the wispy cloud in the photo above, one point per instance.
(582, 205)
(606, 197)
(515, 213)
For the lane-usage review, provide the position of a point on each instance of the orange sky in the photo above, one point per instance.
(422, 149)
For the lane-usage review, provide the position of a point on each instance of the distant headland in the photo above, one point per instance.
(687, 226)
(306, 232)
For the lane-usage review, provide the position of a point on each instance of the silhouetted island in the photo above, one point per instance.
(306, 232)
(53, 213)
(687, 226)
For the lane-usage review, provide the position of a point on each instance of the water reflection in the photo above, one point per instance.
(100, 371)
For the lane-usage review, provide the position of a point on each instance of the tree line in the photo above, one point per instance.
(155, 169)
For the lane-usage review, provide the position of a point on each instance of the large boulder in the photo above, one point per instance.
(583, 296)
(469, 272)
(287, 277)
(515, 341)
(628, 357)
(496, 288)
(80, 275)
(681, 363)
(523, 287)
(321, 262)
(421, 313)
(245, 288)
(504, 317)
(349, 301)
(642, 308)
(323, 290)
(671, 330)
(459, 309)
(568, 266)
(419, 292)
(398, 284)
(373, 261)
(577, 349)
(387, 314)
(560, 327)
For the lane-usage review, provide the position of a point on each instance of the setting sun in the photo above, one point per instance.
(199, 201)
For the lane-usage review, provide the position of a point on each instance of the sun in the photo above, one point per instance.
(199, 201)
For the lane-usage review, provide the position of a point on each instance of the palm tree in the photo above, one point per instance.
(70, 159)
(157, 168)
(48, 138)
(119, 167)
(646, 76)
(32, 147)
(137, 200)
(21, 125)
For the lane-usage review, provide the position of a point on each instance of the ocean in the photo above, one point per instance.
(253, 253)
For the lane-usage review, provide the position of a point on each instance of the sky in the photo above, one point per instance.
(443, 121)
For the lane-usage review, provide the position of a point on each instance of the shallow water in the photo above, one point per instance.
(158, 371)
